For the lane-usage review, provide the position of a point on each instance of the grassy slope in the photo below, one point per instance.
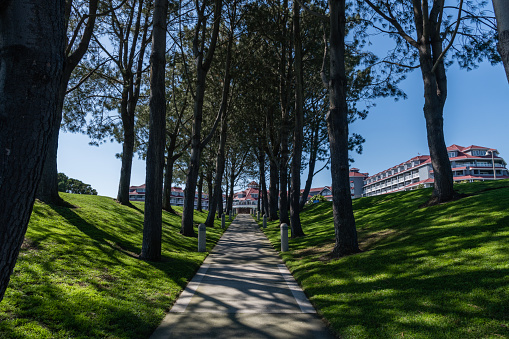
(78, 276)
(435, 272)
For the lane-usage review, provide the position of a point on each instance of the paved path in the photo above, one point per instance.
(242, 290)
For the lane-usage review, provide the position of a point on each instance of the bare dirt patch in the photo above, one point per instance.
(29, 245)
(367, 241)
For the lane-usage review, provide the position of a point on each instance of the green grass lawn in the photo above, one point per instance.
(434, 272)
(78, 275)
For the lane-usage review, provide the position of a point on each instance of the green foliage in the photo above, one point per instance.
(70, 185)
(434, 272)
(78, 274)
(316, 199)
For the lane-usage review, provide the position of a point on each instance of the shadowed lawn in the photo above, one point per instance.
(78, 274)
(434, 272)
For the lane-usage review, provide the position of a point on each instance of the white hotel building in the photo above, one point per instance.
(471, 163)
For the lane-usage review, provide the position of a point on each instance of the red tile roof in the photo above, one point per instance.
(357, 174)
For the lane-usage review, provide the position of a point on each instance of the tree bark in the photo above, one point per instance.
(168, 179)
(311, 166)
(152, 223)
(47, 190)
(210, 186)
(298, 134)
(130, 94)
(202, 68)
(273, 191)
(31, 64)
(127, 158)
(435, 95)
(220, 208)
(216, 199)
(200, 191)
(337, 125)
(434, 101)
(284, 90)
(262, 185)
(229, 204)
(502, 14)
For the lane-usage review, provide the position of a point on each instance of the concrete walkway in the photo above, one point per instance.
(242, 290)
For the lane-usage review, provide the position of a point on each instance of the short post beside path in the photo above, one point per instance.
(284, 237)
(202, 238)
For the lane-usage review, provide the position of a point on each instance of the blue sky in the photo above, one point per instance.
(476, 112)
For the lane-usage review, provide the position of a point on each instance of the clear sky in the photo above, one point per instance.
(476, 113)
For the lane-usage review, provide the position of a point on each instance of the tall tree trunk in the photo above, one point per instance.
(298, 134)
(127, 160)
(31, 64)
(337, 125)
(435, 94)
(284, 89)
(47, 190)
(168, 179)
(216, 199)
(202, 68)
(283, 180)
(200, 191)
(152, 224)
(311, 167)
(226, 192)
(259, 200)
(210, 186)
(232, 184)
(220, 208)
(188, 212)
(130, 93)
(273, 191)
(502, 14)
(263, 187)
(194, 162)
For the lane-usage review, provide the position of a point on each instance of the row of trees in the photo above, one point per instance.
(217, 91)
(71, 185)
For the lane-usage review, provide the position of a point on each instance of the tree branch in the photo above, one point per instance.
(395, 23)
(310, 11)
(451, 41)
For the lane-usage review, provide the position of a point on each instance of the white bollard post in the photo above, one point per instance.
(222, 221)
(264, 221)
(284, 237)
(258, 215)
(202, 238)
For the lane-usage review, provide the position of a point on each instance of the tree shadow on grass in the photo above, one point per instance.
(95, 233)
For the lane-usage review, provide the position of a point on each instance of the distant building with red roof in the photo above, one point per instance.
(137, 193)
(247, 201)
(357, 182)
(472, 163)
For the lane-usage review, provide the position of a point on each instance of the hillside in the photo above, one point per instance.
(78, 274)
(435, 272)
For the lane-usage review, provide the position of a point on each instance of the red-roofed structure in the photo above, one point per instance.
(137, 193)
(357, 182)
(470, 163)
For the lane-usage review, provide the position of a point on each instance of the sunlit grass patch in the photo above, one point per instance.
(78, 274)
(433, 272)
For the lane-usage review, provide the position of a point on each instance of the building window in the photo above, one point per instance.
(479, 152)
